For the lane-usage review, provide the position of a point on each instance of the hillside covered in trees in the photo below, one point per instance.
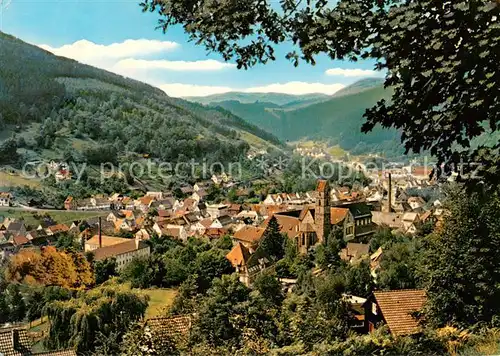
(56, 104)
(336, 118)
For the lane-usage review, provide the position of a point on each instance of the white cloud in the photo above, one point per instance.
(293, 88)
(343, 72)
(203, 65)
(103, 55)
(180, 90)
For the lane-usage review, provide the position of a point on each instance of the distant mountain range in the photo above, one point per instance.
(337, 119)
(251, 98)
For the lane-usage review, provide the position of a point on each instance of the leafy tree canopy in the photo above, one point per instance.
(440, 58)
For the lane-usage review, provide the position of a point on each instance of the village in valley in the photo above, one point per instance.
(194, 178)
(403, 201)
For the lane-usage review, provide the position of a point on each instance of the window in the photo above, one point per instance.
(374, 308)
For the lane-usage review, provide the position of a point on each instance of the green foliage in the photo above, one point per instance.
(269, 287)
(144, 272)
(209, 265)
(67, 242)
(224, 243)
(79, 322)
(338, 120)
(171, 263)
(461, 268)
(279, 99)
(104, 270)
(273, 241)
(15, 303)
(214, 325)
(398, 268)
(186, 300)
(327, 256)
(8, 151)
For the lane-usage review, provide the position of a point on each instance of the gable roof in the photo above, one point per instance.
(23, 343)
(20, 240)
(106, 240)
(239, 255)
(392, 220)
(249, 234)
(58, 228)
(215, 232)
(359, 209)
(23, 347)
(119, 249)
(396, 307)
(168, 327)
(288, 224)
(206, 222)
(146, 200)
(225, 220)
(338, 215)
(15, 226)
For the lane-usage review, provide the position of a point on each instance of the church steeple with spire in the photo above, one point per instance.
(322, 211)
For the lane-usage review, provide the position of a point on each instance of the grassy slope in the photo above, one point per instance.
(160, 300)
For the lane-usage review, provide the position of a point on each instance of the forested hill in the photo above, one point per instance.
(63, 102)
(250, 98)
(337, 120)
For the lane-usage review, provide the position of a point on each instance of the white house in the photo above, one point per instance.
(5, 199)
(123, 252)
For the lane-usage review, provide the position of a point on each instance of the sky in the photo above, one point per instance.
(117, 36)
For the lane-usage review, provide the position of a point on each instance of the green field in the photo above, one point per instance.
(160, 300)
(13, 180)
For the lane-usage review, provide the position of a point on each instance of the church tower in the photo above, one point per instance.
(322, 211)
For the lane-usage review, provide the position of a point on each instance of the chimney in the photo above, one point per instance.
(15, 340)
(100, 233)
(389, 199)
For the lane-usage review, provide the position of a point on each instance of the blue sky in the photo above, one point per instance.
(117, 36)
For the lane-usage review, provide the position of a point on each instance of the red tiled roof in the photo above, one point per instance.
(338, 215)
(396, 307)
(421, 171)
(20, 240)
(288, 224)
(322, 184)
(58, 228)
(170, 327)
(116, 250)
(239, 255)
(249, 234)
(164, 213)
(146, 200)
(425, 216)
(206, 222)
(215, 232)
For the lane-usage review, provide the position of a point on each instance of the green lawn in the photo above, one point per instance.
(160, 300)
(14, 180)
